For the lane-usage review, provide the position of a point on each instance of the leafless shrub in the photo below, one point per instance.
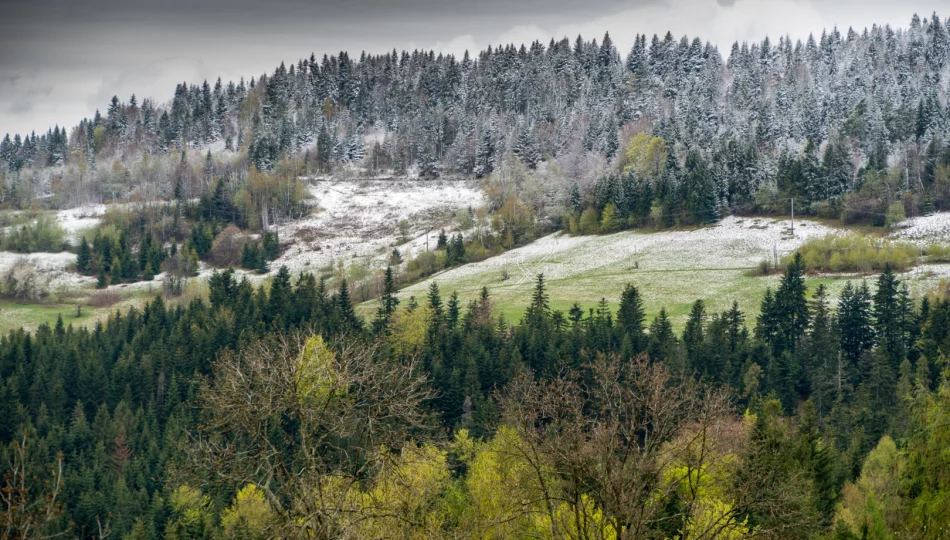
(226, 249)
(23, 281)
(104, 299)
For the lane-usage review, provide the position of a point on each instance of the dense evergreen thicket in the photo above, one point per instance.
(118, 401)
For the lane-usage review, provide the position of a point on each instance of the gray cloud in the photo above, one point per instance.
(87, 51)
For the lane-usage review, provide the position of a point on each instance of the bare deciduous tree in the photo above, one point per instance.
(25, 511)
(307, 425)
(626, 449)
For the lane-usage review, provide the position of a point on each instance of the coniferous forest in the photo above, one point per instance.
(280, 412)
(281, 409)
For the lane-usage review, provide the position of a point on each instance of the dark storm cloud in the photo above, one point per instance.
(119, 10)
(62, 59)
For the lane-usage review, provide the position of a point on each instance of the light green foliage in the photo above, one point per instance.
(589, 223)
(937, 253)
(645, 155)
(317, 377)
(249, 516)
(895, 214)
(405, 498)
(44, 234)
(192, 515)
(856, 253)
(928, 465)
(514, 220)
(498, 466)
(905, 492)
(873, 501)
(408, 330)
(609, 221)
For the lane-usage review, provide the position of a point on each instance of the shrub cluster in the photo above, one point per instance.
(44, 234)
(856, 253)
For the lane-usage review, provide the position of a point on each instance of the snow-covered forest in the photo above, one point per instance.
(813, 120)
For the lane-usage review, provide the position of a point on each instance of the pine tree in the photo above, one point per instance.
(694, 336)
(84, 257)
(662, 338)
(888, 318)
(791, 308)
(271, 246)
(345, 306)
(387, 302)
(631, 317)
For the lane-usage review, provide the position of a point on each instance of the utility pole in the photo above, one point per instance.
(793, 217)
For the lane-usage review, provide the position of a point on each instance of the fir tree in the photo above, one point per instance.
(387, 302)
(631, 317)
(84, 257)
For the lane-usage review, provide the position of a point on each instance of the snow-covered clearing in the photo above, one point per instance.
(54, 268)
(925, 230)
(357, 221)
(75, 220)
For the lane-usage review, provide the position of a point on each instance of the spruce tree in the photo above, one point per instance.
(536, 316)
(855, 322)
(271, 246)
(387, 302)
(345, 306)
(631, 317)
(888, 318)
(662, 338)
(694, 336)
(791, 308)
(280, 300)
(84, 258)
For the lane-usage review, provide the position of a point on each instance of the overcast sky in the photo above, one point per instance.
(60, 60)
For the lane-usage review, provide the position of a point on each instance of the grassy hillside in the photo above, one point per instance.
(671, 268)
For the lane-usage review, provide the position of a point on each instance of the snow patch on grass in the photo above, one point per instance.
(924, 230)
(75, 220)
(55, 267)
(357, 220)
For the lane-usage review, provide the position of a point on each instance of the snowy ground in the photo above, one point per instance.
(75, 220)
(357, 220)
(925, 230)
(54, 268)
(352, 221)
